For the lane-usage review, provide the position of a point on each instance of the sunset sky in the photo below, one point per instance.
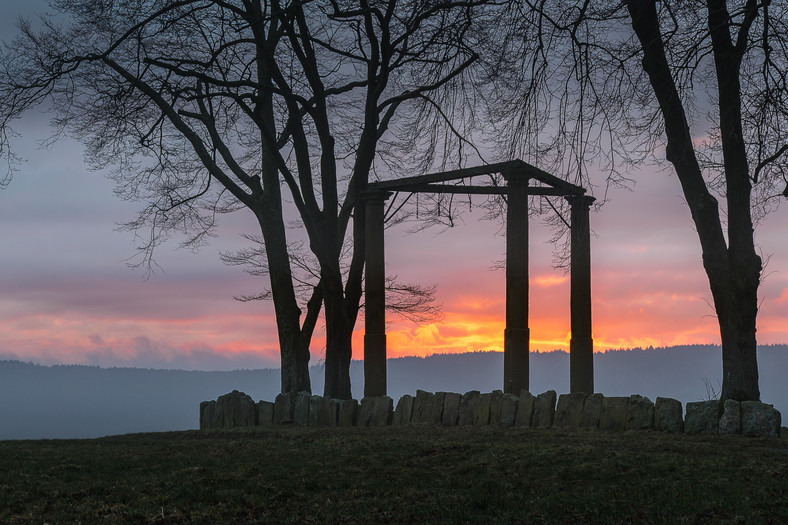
(68, 296)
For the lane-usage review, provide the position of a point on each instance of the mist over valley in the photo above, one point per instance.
(77, 401)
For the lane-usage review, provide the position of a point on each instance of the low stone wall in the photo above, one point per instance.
(589, 411)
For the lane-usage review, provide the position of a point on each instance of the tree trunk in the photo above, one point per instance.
(739, 357)
(339, 337)
(737, 316)
(293, 341)
(733, 268)
(294, 349)
(342, 304)
(735, 294)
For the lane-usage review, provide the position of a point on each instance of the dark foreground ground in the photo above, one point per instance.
(396, 475)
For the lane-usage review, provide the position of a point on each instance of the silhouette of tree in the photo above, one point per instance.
(203, 107)
(701, 84)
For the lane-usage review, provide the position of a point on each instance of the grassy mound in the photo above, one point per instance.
(410, 474)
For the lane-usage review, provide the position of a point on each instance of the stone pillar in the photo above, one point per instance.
(581, 345)
(516, 338)
(374, 297)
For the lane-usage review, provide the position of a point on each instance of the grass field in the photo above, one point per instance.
(396, 475)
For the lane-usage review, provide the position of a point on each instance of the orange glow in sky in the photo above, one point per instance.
(66, 297)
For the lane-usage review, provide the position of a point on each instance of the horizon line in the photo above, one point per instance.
(320, 363)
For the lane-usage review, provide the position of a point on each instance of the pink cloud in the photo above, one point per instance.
(783, 298)
(549, 280)
(136, 341)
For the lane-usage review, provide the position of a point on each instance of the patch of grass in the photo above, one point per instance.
(410, 474)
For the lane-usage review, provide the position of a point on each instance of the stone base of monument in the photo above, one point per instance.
(585, 411)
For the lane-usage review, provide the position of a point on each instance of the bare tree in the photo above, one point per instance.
(413, 302)
(700, 84)
(201, 107)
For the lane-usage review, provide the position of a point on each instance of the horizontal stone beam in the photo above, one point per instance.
(477, 190)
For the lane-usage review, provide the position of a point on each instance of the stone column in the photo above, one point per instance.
(374, 297)
(516, 338)
(581, 345)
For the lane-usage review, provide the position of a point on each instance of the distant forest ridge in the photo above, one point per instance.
(697, 346)
(78, 401)
(5, 359)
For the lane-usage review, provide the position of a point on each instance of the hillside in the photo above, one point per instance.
(402, 474)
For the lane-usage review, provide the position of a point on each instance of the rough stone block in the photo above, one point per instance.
(509, 404)
(321, 412)
(730, 422)
(569, 410)
(314, 408)
(235, 409)
(336, 405)
(404, 411)
(496, 398)
(614, 414)
(482, 415)
(640, 413)
(301, 409)
(451, 409)
(544, 409)
(206, 414)
(376, 411)
(760, 419)
(217, 418)
(328, 413)
(525, 409)
(384, 411)
(365, 411)
(702, 417)
(265, 414)
(592, 410)
(436, 408)
(668, 415)
(284, 405)
(348, 413)
(422, 406)
(469, 405)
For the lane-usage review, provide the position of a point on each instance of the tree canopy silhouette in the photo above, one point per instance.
(699, 84)
(202, 107)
